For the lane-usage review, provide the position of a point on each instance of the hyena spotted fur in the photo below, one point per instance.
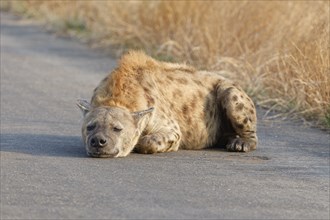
(150, 106)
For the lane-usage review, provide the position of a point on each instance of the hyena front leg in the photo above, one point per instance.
(164, 140)
(240, 112)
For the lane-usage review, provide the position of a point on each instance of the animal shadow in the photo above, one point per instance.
(43, 145)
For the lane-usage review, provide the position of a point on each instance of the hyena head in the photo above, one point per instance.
(110, 131)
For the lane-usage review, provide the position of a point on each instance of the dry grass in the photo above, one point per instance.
(277, 50)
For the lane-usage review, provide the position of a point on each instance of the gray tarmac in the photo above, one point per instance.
(45, 173)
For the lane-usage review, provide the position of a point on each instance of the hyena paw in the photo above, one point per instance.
(239, 144)
(149, 144)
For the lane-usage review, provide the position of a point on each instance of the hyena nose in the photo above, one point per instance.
(98, 141)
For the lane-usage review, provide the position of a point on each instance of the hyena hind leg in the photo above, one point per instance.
(240, 112)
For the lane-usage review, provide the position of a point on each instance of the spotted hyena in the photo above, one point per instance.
(150, 106)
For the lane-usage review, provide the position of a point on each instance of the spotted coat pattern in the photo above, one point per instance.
(192, 109)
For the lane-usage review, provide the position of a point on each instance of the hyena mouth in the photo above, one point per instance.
(100, 154)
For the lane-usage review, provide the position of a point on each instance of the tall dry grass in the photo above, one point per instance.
(277, 50)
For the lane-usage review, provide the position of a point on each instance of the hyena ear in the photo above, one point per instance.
(84, 106)
(139, 115)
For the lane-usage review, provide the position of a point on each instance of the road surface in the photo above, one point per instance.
(45, 173)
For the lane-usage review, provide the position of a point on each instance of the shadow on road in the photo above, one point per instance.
(43, 145)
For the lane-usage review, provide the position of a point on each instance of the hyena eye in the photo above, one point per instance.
(117, 129)
(91, 127)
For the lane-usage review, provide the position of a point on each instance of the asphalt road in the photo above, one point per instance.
(45, 173)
